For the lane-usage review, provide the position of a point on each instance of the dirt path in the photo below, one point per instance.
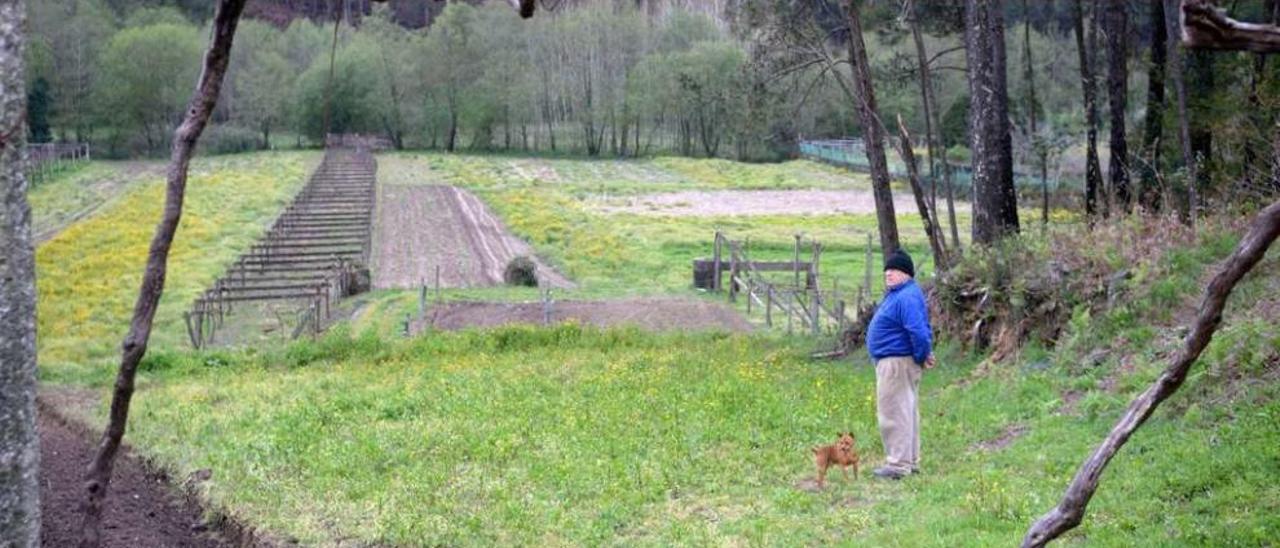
(141, 507)
(422, 227)
(656, 314)
(760, 202)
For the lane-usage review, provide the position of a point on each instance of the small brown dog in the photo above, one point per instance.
(844, 452)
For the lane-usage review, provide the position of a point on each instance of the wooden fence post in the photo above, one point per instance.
(840, 316)
(815, 256)
(795, 261)
(186, 316)
(546, 307)
(715, 254)
(422, 301)
(768, 305)
(733, 272)
(790, 310)
(815, 310)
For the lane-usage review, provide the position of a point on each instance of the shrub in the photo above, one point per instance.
(224, 139)
(521, 271)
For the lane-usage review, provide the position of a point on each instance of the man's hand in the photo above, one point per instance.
(930, 362)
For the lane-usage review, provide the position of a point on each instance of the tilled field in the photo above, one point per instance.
(422, 227)
(655, 314)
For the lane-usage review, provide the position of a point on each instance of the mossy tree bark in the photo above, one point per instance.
(19, 444)
(995, 207)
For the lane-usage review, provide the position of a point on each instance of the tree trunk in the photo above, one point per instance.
(20, 489)
(1093, 168)
(506, 127)
(1149, 195)
(995, 207)
(1200, 69)
(1070, 511)
(937, 152)
(451, 138)
(98, 475)
(873, 132)
(1033, 135)
(1171, 9)
(1257, 116)
(1117, 21)
(937, 241)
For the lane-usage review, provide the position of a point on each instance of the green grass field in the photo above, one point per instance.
(572, 436)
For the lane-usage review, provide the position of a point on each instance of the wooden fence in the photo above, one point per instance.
(45, 159)
(800, 305)
(314, 253)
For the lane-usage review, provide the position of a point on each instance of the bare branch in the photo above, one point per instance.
(1070, 511)
(940, 53)
(203, 100)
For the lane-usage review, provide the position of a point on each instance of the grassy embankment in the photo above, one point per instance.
(88, 274)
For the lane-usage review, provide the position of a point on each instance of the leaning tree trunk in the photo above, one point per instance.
(1149, 195)
(1117, 21)
(1093, 168)
(926, 103)
(995, 207)
(928, 215)
(19, 467)
(873, 132)
(937, 152)
(98, 475)
(1070, 511)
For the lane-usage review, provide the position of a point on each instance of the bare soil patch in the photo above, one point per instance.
(142, 508)
(654, 314)
(758, 202)
(1011, 432)
(422, 227)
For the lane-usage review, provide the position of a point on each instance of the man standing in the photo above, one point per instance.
(901, 345)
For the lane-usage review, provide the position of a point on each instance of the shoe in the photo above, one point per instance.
(885, 472)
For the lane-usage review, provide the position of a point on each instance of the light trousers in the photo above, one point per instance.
(898, 410)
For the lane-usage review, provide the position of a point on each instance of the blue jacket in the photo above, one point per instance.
(901, 325)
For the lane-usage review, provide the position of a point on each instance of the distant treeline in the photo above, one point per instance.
(595, 79)
(744, 79)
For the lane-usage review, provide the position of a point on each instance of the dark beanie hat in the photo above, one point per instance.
(899, 260)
